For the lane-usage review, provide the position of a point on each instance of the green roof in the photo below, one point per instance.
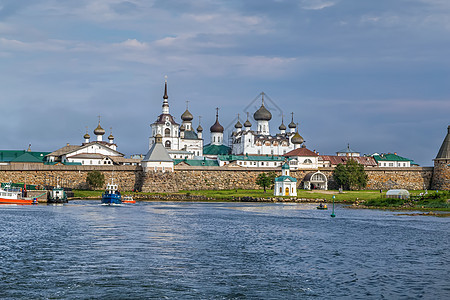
(283, 178)
(197, 162)
(389, 157)
(22, 156)
(251, 157)
(285, 166)
(216, 150)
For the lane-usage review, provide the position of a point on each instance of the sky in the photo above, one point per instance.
(372, 74)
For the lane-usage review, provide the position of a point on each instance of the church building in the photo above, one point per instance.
(96, 152)
(260, 141)
(179, 140)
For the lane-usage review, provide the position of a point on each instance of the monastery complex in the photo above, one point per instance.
(175, 147)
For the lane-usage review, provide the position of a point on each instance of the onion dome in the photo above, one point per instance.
(99, 130)
(187, 116)
(86, 136)
(110, 137)
(247, 124)
(199, 128)
(238, 125)
(297, 139)
(285, 166)
(292, 124)
(282, 126)
(262, 114)
(217, 127)
(182, 128)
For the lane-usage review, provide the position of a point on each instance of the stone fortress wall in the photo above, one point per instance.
(201, 178)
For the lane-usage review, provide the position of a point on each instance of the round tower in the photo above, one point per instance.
(441, 172)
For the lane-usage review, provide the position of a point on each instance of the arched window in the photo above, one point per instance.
(307, 161)
(167, 132)
(214, 139)
(167, 144)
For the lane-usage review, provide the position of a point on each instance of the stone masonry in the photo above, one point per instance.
(202, 178)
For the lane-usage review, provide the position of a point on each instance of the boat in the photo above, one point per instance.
(11, 195)
(111, 195)
(128, 199)
(57, 195)
(323, 207)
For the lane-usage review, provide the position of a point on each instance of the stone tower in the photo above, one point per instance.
(441, 173)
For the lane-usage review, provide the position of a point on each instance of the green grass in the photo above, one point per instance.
(371, 198)
(87, 194)
(347, 196)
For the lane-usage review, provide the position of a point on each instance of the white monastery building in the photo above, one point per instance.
(97, 152)
(260, 141)
(175, 138)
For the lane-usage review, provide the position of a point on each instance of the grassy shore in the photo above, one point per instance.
(363, 199)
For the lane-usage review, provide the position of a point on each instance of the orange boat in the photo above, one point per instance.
(128, 199)
(10, 195)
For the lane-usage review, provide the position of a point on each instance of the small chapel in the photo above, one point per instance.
(285, 185)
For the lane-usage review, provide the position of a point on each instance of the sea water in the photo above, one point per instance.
(194, 250)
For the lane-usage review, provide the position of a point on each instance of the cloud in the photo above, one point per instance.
(316, 4)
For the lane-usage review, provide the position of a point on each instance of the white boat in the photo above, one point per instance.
(10, 195)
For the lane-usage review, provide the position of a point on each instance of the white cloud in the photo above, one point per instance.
(316, 4)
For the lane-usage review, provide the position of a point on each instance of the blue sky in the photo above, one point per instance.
(375, 74)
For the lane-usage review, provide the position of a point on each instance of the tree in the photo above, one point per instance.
(350, 176)
(95, 179)
(265, 180)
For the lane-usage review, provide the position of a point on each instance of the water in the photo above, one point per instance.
(168, 250)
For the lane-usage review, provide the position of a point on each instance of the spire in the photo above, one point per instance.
(165, 106)
(165, 88)
(444, 151)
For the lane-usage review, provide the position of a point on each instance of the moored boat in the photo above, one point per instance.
(57, 195)
(10, 195)
(111, 195)
(128, 199)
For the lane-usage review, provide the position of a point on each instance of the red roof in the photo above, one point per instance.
(301, 152)
(335, 160)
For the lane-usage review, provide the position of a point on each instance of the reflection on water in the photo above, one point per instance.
(220, 250)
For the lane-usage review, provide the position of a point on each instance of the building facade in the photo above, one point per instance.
(175, 137)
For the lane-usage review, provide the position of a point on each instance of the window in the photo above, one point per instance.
(167, 144)
(391, 164)
(214, 139)
(167, 132)
(307, 161)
